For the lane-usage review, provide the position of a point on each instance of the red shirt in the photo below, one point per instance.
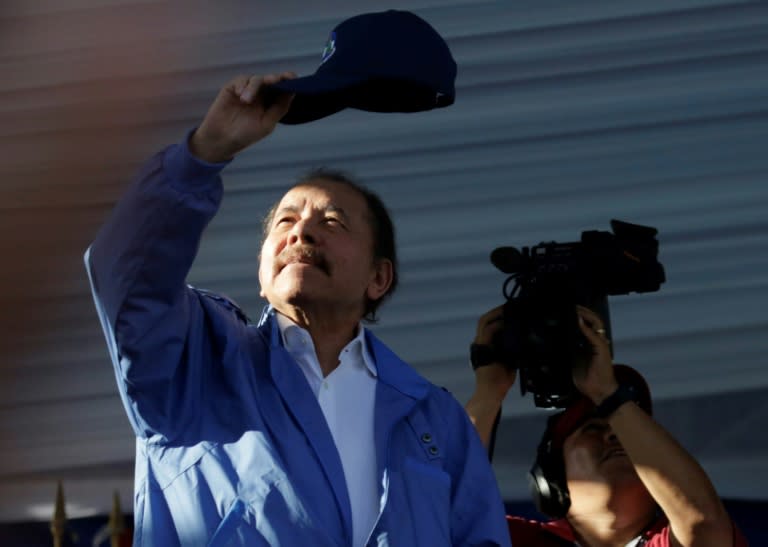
(558, 533)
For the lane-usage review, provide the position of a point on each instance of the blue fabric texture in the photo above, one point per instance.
(232, 446)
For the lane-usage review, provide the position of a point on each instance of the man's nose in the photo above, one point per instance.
(609, 436)
(302, 232)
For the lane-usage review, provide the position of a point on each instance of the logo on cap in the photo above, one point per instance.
(330, 47)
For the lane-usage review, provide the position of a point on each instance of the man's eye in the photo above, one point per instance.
(283, 220)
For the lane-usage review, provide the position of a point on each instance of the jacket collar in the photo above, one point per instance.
(391, 370)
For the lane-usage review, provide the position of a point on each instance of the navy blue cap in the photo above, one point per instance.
(389, 61)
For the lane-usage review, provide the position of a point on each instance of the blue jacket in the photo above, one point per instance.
(232, 446)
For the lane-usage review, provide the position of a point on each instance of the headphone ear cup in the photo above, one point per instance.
(546, 481)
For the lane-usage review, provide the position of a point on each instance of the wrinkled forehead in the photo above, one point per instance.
(325, 194)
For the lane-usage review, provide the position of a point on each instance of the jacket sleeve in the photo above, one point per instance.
(155, 325)
(478, 517)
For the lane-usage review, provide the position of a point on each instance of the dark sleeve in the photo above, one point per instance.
(155, 325)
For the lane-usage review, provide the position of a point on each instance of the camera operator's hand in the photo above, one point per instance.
(597, 381)
(670, 475)
(492, 381)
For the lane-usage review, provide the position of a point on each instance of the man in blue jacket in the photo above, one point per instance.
(305, 429)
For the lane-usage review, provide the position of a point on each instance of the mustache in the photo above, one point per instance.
(305, 254)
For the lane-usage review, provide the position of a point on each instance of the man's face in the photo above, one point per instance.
(593, 456)
(318, 253)
(600, 476)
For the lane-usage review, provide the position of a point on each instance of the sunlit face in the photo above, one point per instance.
(318, 253)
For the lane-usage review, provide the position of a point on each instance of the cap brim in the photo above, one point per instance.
(321, 95)
(316, 96)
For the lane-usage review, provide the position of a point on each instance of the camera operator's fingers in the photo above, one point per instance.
(591, 326)
(489, 324)
(591, 318)
(598, 380)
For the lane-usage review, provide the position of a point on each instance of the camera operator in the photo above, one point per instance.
(623, 479)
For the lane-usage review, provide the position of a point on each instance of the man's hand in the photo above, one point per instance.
(673, 478)
(242, 113)
(598, 380)
(492, 382)
(495, 379)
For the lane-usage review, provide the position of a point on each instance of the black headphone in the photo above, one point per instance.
(546, 479)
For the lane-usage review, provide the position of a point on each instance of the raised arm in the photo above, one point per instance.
(152, 236)
(140, 258)
(492, 381)
(671, 475)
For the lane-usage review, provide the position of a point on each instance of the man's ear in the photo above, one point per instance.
(381, 279)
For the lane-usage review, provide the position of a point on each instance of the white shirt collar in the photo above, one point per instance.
(298, 342)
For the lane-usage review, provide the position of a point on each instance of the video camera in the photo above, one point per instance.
(540, 335)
